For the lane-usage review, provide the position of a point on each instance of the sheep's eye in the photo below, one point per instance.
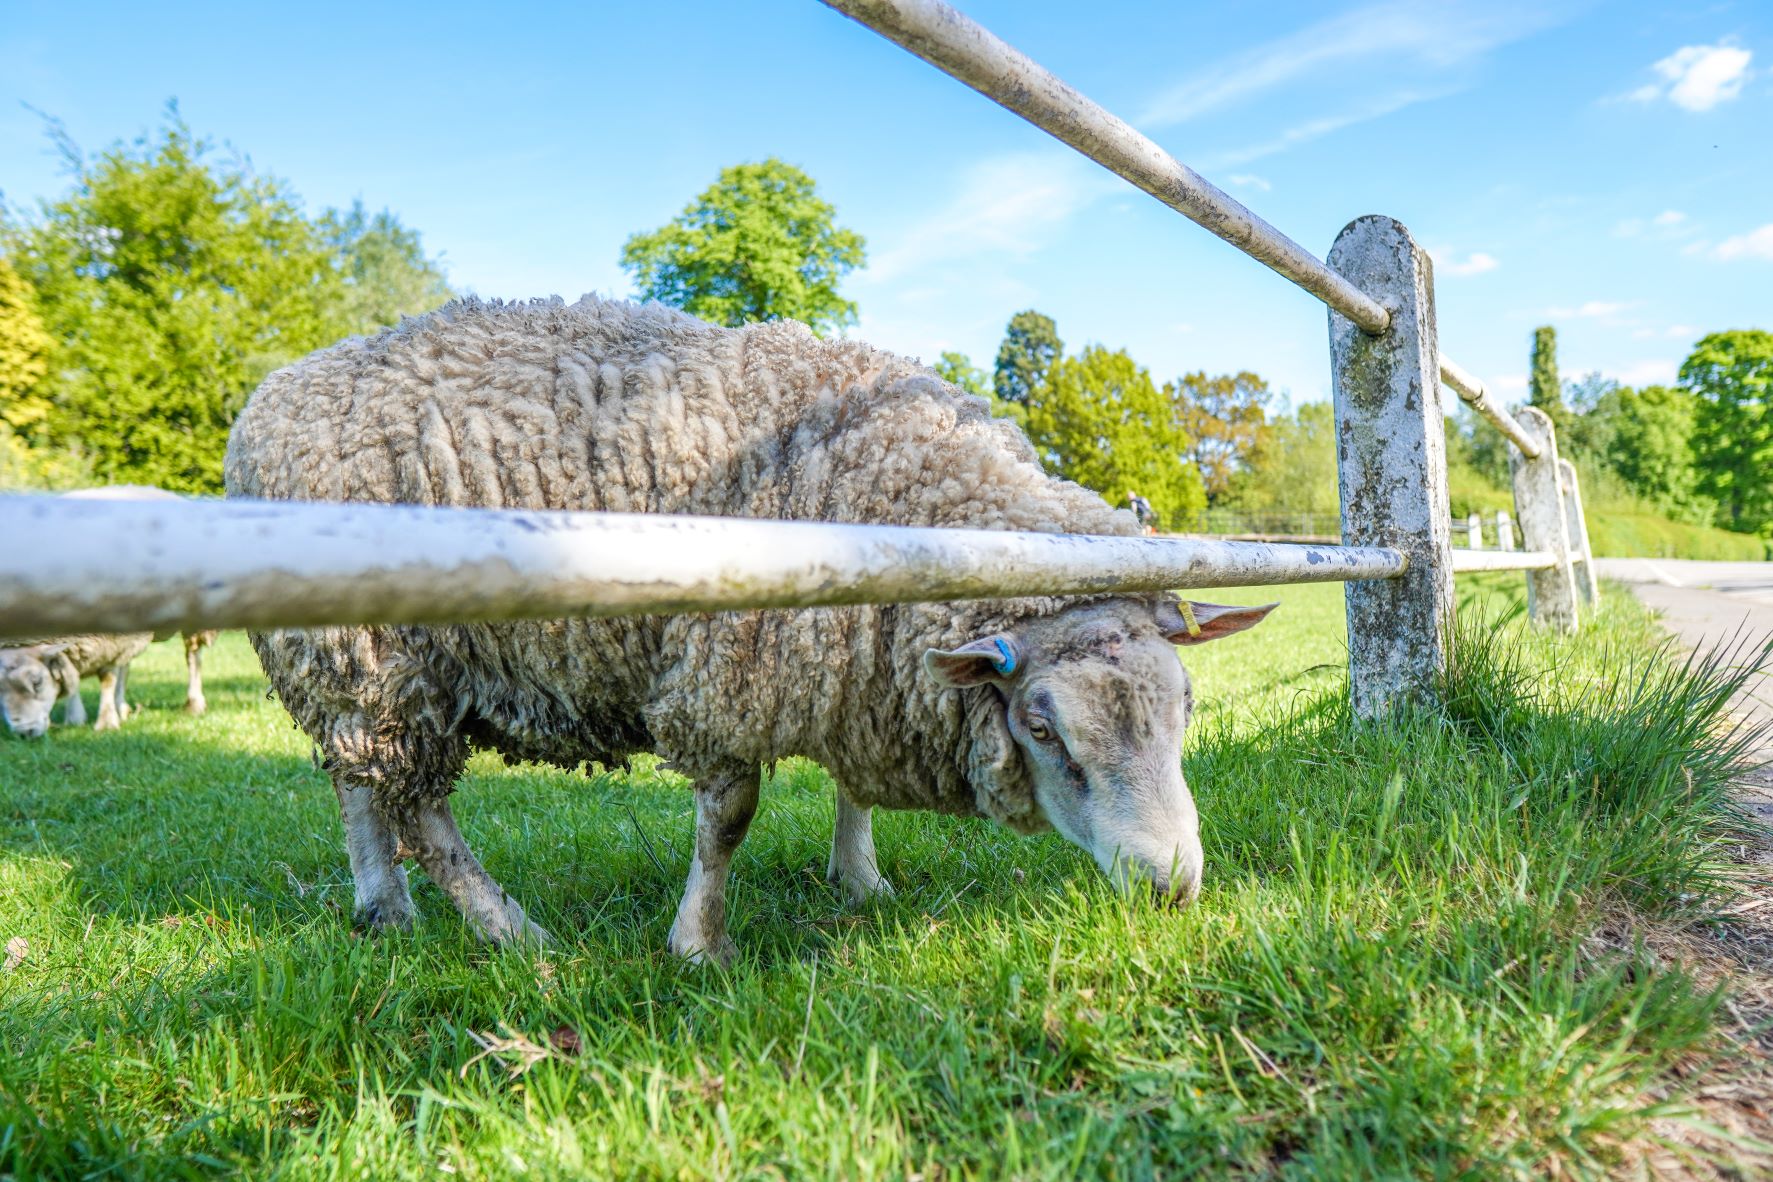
(1041, 732)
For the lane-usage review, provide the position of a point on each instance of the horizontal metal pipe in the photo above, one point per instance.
(114, 566)
(958, 46)
(1478, 397)
(1468, 561)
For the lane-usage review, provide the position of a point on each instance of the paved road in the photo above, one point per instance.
(1703, 603)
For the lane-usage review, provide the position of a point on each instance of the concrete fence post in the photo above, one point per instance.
(1392, 466)
(1504, 531)
(1474, 532)
(1551, 593)
(1576, 525)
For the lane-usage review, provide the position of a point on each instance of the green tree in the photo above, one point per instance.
(1730, 374)
(1651, 450)
(1546, 390)
(1031, 346)
(758, 244)
(386, 274)
(1292, 467)
(172, 281)
(24, 353)
(1099, 420)
(1225, 416)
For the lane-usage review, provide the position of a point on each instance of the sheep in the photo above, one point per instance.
(34, 675)
(1036, 712)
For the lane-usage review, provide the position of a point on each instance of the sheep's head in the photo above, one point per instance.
(30, 683)
(1095, 700)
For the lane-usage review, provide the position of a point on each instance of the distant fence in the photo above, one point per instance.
(82, 566)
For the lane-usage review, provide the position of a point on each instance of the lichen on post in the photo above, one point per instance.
(1392, 464)
(1551, 593)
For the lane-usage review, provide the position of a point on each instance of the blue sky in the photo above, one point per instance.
(1604, 167)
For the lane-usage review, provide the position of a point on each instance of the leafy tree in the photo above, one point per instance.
(1730, 374)
(24, 353)
(1031, 346)
(1651, 450)
(1226, 417)
(1099, 420)
(958, 369)
(1546, 391)
(171, 282)
(1591, 404)
(386, 274)
(1292, 467)
(758, 244)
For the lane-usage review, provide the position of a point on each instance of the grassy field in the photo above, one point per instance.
(1389, 971)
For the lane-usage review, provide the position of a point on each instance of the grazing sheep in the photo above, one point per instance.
(1062, 712)
(34, 675)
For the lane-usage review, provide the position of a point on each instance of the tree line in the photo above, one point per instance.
(141, 308)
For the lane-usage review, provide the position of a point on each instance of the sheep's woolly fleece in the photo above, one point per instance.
(613, 406)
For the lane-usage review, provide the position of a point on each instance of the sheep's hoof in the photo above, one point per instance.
(722, 951)
(382, 916)
(860, 887)
(107, 723)
(195, 706)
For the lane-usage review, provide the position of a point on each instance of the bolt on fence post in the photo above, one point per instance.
(1391, 465)
(1551, 593)
(1576, 525)
(1474, 532)
(1504, 531)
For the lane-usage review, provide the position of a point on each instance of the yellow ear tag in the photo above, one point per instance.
(1188, 617)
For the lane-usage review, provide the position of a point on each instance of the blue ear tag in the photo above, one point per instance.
(1006, 664)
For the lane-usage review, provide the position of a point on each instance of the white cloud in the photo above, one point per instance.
(1698, 77)
(1433, 37)
(1247, 180)
(1511, 382)
(1011, 205)
(1670, 223)
(1668, 217)
(1475, 263)
(1312, 129)
(1642, 373)
(1756, 244)
(1592, 310)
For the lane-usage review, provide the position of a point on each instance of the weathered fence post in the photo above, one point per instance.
(1576, 525)
(1551, 592)
(1474, 532)
(1392, 465)
(1504, 531)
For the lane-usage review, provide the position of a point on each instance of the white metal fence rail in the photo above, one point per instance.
(83, 566)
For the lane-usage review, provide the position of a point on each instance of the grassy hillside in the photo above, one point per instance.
(1389, 970)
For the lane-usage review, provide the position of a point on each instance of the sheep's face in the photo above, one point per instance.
(28, 690)
(1096, 700)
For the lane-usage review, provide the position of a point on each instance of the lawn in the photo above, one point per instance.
(1388, 972)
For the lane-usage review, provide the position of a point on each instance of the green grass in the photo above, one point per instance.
(1389, 972)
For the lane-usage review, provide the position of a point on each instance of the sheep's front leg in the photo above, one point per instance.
(724, 807)
(853, 863)
(383, 899)
(108, 718)
(428, 830)
(194, 700)
(122, 694)
(74, 713)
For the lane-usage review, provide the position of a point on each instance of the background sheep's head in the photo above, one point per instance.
(1093, 702)
(31, 679)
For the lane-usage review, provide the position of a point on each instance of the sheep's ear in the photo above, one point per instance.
(990, 658)
(1186, 622)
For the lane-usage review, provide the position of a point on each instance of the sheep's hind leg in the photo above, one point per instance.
(853, 863)
(382, 897)
(194, 700)
(428, 829)
(725, 805)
